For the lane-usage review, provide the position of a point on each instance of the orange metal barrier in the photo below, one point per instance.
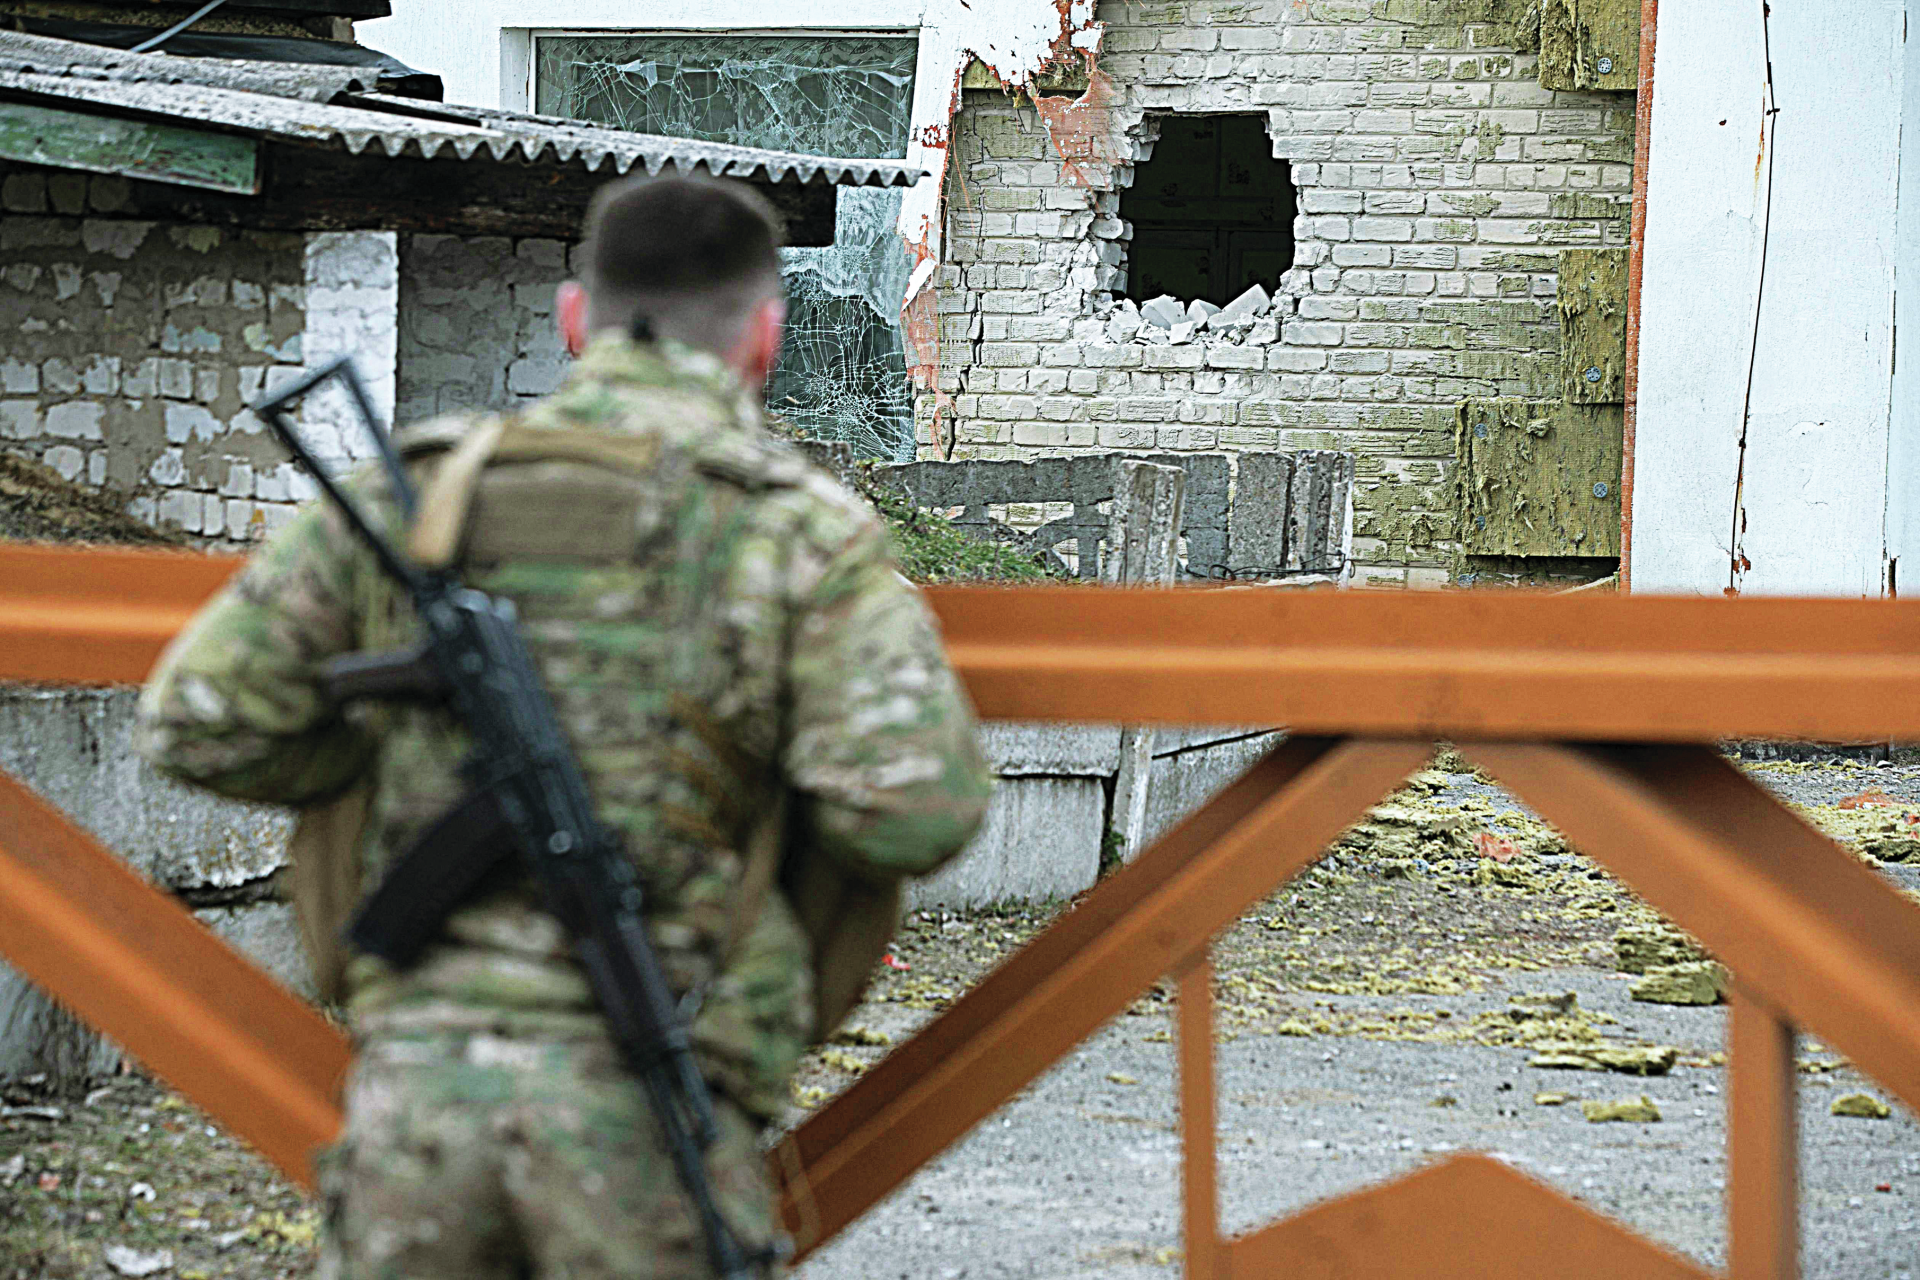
(1529, 686)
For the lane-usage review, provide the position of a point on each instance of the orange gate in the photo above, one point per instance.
(1539, 691)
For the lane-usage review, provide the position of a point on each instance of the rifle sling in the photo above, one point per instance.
(427, 882)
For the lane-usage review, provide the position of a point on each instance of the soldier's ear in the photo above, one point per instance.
(570, 313)
(758, 346)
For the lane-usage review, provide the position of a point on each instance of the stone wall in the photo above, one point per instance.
(1437, 180)
(476, 323)
(134, 347)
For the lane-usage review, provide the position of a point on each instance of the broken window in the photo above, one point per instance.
(842, 372)
(1212, 211)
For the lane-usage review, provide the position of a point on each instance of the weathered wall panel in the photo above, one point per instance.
(1593, 326)
(1590, 44)
(1539, 478)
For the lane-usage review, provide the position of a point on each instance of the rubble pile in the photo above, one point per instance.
(1252, 319)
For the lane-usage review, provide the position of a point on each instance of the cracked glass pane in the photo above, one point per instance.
(842, 372)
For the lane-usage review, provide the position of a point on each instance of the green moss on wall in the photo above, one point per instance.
(1590, 44)
(1538, 478)
(1593, 325)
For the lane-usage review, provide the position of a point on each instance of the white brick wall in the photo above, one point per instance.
(1437, 180)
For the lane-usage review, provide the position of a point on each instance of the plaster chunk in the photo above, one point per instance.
(1199, 311)
(1696, 982)
(1124, 326)
(1640, 1110)
(1244, 309)
(1163, 312)
(1863, 1106)
(1181, 333)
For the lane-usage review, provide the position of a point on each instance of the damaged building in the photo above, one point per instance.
(1378, 199)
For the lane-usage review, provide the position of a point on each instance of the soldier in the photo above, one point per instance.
(759, 700)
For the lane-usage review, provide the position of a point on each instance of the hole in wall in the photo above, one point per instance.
(1212, 211)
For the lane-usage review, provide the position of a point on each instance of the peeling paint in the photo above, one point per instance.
(1017, 40)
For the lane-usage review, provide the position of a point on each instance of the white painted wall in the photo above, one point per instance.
(1816, 492)
(1903, 451)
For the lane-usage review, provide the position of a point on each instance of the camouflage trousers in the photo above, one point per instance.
(479, 1157)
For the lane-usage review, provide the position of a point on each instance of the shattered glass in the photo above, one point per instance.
(842, 372)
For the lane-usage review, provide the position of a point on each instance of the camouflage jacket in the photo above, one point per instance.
(724, 635)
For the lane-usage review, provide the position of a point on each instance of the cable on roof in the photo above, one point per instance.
(154, 42)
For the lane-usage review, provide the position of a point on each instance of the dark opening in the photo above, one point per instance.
(1212, 212)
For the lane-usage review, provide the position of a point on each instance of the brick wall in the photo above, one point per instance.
(477, 328)
(1437, 181)
(134, 347)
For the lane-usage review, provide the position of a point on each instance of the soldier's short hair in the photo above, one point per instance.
(690, 256)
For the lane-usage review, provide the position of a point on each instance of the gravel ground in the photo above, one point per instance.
(1374, 1014)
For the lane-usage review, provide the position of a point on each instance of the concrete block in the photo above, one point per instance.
(1016, 748)
(1187, 776)
(1040, 841)
(1163, 312)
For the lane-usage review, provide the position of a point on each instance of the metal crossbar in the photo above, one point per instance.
(1538, 691)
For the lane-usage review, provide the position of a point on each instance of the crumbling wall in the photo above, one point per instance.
(476, 323)
(133, 348)
(1437, 182)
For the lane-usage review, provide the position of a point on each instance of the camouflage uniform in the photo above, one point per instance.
(721, 628)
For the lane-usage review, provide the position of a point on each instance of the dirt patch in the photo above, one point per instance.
(133, 1166)
(37, 505)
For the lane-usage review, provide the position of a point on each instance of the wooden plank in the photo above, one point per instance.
(1763, 1139)
(148, 149)
(1590, 44)
(1104, 907)
(1199, 1137)
(1072, 999)
(1593, 326)
(1539, 477)
(1471, 664)
(1469, 1218)
(1801, 922)
(97, 615)
(132, 962)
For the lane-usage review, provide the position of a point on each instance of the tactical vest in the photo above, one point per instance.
(848, 919)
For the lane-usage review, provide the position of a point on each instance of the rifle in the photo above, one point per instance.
(528, 797)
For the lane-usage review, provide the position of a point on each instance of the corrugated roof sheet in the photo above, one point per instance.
(329, 106)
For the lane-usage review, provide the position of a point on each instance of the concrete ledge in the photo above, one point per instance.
(1185, 779)
(72, 747)
(1040, 841)
(1018, 748)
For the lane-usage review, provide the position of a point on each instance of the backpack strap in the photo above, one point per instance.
(442, 518)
